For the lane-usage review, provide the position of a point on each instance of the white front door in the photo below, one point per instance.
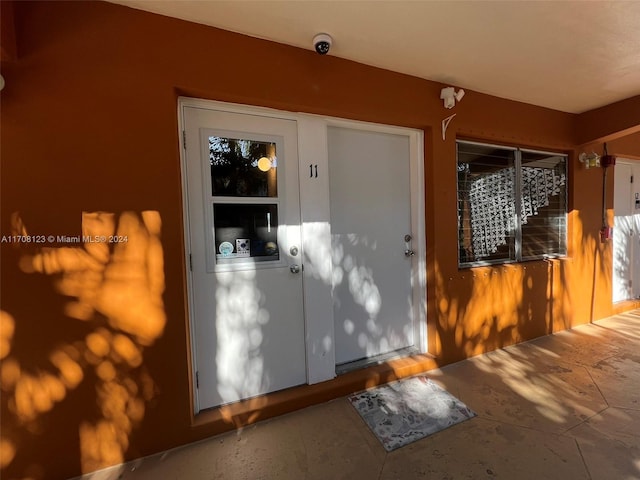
(372, 244)
(626, 231)
(244, 239)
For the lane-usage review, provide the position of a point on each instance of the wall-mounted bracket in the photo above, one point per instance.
(445, 124)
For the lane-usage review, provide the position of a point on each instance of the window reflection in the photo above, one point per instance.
(242, 168)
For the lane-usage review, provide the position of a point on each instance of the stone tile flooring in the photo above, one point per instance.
(564, 406)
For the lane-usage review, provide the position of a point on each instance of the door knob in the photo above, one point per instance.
(409, 253)
(295, 268)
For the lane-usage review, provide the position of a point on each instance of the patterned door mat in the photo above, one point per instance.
(407, 410)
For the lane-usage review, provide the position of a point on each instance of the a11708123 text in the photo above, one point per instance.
(67, 239)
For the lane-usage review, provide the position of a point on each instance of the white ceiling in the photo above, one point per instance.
(571, 56)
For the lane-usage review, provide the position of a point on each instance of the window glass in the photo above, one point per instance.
(486, 203)
(246, 231)
(543, 204)
(512, 204)
(242, 168)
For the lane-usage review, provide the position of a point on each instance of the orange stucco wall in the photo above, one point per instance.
(7, 33)
(95, 339)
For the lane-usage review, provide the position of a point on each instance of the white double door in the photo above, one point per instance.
(246, 252)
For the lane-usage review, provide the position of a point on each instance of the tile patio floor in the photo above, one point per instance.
(565, 406)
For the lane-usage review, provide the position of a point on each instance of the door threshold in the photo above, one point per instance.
(377, 360)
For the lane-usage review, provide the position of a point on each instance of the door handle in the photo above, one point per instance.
(409, 253)
(294, 268)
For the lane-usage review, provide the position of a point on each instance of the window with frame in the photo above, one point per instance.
(512, 204)
(245, 199)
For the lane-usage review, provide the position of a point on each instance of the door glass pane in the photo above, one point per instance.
(246, 231)
(486, 203)
(242, 168)
(543, 204)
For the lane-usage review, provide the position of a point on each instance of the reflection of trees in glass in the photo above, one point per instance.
(234, 165)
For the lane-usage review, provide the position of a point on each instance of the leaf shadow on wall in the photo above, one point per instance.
(78, 371)
(489, 307)
(564, 383)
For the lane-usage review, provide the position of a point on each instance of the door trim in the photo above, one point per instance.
(318, 312)
(182, 104)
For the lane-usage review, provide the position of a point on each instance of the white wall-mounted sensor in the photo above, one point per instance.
(449, 95)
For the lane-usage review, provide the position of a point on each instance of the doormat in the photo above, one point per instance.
(407, 410)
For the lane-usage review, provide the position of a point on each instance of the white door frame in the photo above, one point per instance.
(316, 232)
